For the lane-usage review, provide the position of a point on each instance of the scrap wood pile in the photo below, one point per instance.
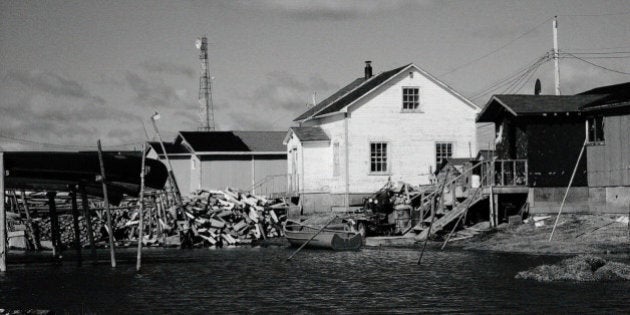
(207, 218)
(217, 218)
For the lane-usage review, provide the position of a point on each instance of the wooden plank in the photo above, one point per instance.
(141, 209)
(88, 221)
(54, 223)
(29, 221)
(3, 219)
(75, 222)
(107, 210)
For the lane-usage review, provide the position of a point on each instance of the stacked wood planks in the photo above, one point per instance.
(227, 217)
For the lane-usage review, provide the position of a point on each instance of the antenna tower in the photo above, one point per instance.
(206, 114)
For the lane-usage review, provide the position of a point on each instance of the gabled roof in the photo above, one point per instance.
(308, 134)
(335, 96)
(360, 87)
(232, 141)
(524, 105)
(171, 148)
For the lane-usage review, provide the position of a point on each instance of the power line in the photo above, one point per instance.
(59, 145)
(496, 49)
(599, 66)
(512, 78)
(596, 14)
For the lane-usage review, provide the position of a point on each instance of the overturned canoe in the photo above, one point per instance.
(335, 238)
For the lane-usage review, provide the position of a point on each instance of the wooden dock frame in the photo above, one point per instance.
(3, 220)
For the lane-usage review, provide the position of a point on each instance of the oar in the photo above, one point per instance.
(312, 237)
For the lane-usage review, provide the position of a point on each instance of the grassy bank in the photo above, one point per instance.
(575, 234)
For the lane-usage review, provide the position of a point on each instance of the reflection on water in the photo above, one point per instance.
(261, 280)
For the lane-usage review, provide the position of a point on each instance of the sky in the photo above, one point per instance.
(74, 72)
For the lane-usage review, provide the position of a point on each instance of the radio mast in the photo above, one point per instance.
(206, 113)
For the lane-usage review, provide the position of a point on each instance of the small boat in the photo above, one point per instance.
(337, 237)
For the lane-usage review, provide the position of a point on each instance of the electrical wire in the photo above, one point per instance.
(599, 66)
(496, 49)
(63, 146)
(512, 78)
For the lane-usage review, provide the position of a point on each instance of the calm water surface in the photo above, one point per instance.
(260, 280)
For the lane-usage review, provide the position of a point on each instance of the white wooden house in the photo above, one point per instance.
(398, 125)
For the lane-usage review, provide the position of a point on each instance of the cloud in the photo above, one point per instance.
(45, 107)
(168, 68)
(332, 10)
(153, 93)
(54, 85)
(284, 91)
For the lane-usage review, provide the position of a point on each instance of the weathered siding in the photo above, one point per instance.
(181, 169)
(219, 172)
(609, 163)
(553, 149)
(411, 136)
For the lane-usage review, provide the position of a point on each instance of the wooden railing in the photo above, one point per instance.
(276, 184)
(505, 173)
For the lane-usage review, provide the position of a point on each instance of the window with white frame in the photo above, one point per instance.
(443, 150)
(378, 157)
(336, 159)
(595, 127)
(411, 99)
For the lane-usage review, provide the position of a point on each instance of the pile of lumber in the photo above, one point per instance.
(217, 218)
(206, 218)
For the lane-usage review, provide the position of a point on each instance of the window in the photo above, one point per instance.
(595, 127)
(378, 157)
(411, 98)
(336, 159)
(443, 150)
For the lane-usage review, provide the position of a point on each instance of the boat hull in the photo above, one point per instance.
(340, 240)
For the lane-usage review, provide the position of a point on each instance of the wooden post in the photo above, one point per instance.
(75, 222)
(496, 209)
(106, 199)
(29, 221)
(54, 223)
(3, 219)
(88, 221)
(141, 210)
(566, 193)
(491, 200)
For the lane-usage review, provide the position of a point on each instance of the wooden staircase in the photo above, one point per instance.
(475, 196)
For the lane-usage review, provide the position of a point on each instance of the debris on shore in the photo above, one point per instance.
(578, 268)
(206, 219)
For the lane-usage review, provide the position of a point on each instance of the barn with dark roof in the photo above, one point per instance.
(242, 160)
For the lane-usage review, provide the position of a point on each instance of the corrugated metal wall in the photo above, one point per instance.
(608, 164)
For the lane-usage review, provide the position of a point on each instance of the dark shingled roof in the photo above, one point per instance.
(171, 148)
(349, 94)
(618, 94)
(329, 100)
(310, 134)
(234, 141)
(523, 105)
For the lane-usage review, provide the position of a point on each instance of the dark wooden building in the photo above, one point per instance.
(608, 149)
(546, 130)
(549, 131)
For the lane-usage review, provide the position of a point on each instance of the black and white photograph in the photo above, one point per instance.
(314, 156)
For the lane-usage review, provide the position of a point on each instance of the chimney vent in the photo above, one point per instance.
(368, 69)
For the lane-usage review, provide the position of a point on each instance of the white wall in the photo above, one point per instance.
(411, 137)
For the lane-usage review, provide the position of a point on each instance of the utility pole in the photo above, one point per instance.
(556, 54)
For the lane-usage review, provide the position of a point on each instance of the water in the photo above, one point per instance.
(260, 280)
